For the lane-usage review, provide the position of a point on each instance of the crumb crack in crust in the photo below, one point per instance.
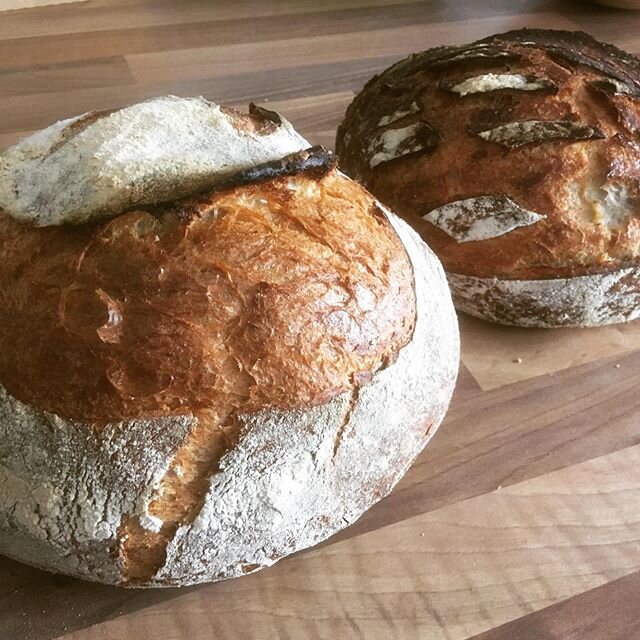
(569, 152)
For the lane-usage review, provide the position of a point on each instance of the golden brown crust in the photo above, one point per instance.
(584, 83)
(279, 294)
(269, 356)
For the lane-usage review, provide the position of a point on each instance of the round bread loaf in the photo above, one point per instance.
(517, 158)
(215, 349)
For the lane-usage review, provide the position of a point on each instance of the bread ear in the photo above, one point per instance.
(102, 163)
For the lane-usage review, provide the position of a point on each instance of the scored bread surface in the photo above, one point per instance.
(196, 386)
(530, 170)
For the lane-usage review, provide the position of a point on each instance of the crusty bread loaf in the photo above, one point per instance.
(208, 360)
(517, 158)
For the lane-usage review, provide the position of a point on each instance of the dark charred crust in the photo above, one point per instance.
(77, 127)
(440, 58)
(564, 56)
(397, 87)
(571, 49)
(621, 104)
(393, 89)
(265, 114)
(428, 136)
(463, 55)
(258, 121)
(315, 161)
(614, 88)
(578, 48)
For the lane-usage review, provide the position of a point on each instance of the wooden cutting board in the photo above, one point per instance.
(521, 520)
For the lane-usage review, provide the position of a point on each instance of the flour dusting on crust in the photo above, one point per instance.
(481, 217)
(64, 485)
(581, 301)
(403, 112)
(150, 152)
(498, 81)
(395, 143)
(516, 134)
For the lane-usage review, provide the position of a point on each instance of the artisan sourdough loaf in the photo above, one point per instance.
(517, 158)
(215, 349)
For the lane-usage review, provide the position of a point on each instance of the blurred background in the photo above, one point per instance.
(305, 57)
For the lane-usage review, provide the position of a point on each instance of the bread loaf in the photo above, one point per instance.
(517, 158)
(215, 349)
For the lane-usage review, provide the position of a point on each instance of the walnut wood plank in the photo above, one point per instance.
(498, 356)
(63, 77)
(232, 59)
(445, 575)
(91, 42)
(609, 612)
(12, 5)
(124, 14)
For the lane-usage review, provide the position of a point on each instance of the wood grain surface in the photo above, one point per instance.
(521, 520)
